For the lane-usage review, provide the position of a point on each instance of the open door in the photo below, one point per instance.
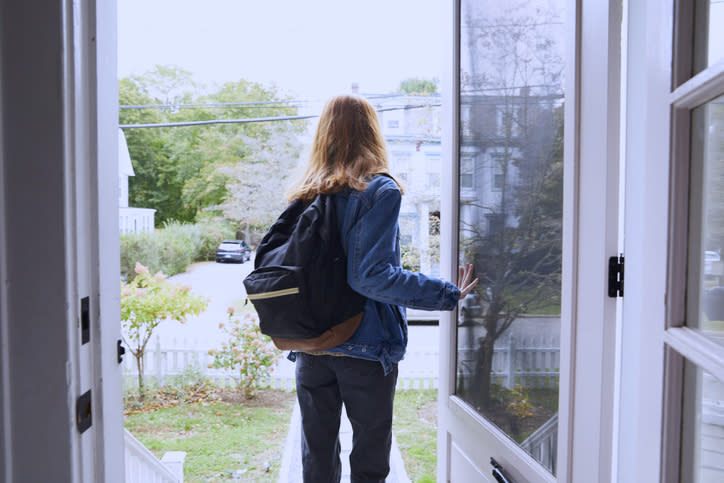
(672, 422)
(60, 385)
(532, 139)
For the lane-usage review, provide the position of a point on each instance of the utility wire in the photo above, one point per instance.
(211, 104)
(217, 121)
(250, 104)
(256, 119)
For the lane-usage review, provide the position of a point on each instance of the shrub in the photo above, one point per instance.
(410, 257)
(247, 350)
(172, 248)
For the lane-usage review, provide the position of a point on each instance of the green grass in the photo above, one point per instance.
(219, 438)
(415, 427)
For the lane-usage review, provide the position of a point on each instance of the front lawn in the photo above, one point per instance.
(225, 437)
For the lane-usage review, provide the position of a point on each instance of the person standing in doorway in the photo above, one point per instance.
(349, 160)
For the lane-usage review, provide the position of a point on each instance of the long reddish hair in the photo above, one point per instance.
(348, 149)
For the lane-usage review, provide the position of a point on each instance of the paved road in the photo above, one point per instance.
(222, 284)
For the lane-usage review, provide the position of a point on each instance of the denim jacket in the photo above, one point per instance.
(370, 233)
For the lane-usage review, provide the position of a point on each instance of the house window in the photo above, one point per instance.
(498, 179)
(466, 173)
(393, 124)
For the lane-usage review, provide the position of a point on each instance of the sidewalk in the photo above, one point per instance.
(291, 466)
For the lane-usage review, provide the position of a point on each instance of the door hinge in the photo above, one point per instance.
(83, 413)
(84, 320)
(615, 276)
(120, 350)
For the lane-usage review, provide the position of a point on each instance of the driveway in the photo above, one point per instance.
(222, 284)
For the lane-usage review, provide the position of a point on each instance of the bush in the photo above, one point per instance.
(145, 302)
(410, 257)
(247, 350)
(172, 248)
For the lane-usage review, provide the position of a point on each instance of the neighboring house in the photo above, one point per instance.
(130, 219)
(411, 126)
(505, 138)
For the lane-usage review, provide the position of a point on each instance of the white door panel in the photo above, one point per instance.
(462, 469)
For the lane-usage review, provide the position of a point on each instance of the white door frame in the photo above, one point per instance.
(646, 228)
(58, 241)
(590, 237)
(662, 94)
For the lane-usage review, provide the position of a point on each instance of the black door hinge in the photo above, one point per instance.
(84, 320)
(121, 350)
(615, 276)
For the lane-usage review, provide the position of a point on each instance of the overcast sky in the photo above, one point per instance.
(312, 48)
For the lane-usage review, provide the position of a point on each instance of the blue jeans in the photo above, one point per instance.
(323, 384)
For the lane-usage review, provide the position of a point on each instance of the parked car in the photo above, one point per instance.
(710, 258)
(713, 303)
(470, 308)
(233, 251)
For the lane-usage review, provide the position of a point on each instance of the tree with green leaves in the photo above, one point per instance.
(185, 173)
(257, 187)
(418, 87)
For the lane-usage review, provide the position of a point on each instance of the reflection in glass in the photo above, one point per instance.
(709, 36)
(707, 220)
(702, 430)
(511, 170)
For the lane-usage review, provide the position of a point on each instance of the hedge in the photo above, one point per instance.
(172, 248)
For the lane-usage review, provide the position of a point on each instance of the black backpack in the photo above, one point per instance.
(299, 284)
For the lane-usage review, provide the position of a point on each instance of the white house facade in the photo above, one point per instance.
(130, 219)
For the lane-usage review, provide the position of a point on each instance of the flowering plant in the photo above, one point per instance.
(247, 350)
(145, 302)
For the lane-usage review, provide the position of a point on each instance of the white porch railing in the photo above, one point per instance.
(542, 444)
(143, 467)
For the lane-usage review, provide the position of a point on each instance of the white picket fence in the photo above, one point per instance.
(530, 362)
(185, 357)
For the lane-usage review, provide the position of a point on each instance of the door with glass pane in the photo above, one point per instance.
(504, 359)
(510, 217)
(695, 335)
(674, 329)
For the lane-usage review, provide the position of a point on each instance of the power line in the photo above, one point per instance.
(257, 119)
(210, 104)
(217, 121)
(250, 104)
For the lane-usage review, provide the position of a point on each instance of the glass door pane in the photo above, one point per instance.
(708, 34)
(706, 272)
(511, 173)
(702, 448)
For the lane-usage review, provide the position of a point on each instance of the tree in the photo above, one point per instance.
(256, 192)
(145, 302)
(512, 98)
(418, 86)
(186, 172)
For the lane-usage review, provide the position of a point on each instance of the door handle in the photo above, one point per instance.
(498, 472)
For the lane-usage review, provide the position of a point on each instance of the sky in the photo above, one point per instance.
(312, 49)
